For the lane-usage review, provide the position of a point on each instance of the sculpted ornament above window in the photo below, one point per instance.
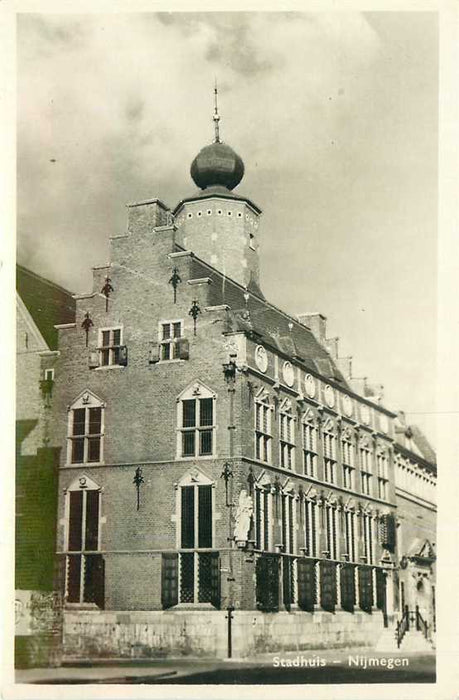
(329, 396)
(347, 405)
(288, 373)
(310, 385)
(261, 358)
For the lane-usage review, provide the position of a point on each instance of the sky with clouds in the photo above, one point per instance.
(335, 117)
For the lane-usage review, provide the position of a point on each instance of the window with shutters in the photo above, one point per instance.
(383, 475)
(196, 416)
(84, 580)
(348, 460)
(331, 531)
(194, 577)
(367, 528)
(262, 517)
(311, 523)
(309, 446)
(350, 532)
(263, 436)
(170, 334)
(110, 347)
(366, 466)
(85, 430)
(287, 435)
(329, 444)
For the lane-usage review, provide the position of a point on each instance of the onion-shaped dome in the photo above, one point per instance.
(217, 164)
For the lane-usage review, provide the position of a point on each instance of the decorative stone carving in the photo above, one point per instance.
(243, 518)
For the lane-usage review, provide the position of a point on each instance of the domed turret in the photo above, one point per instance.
(217, 164)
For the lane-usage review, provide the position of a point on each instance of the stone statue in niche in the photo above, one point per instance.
(243, 518)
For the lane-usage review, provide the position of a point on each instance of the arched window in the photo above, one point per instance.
(263, 435)
(309, 444)
(196, 421)
(287, 435)
(84, 581)
(329, 443)
(86, 430)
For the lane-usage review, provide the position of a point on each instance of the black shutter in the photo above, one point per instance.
(257, 519)
(92, 521)
(169, 580)
(215, 580)
(94, 580)
(205, 516)
(328, 585)
(380, 589)
(306, 583)
(365, 588)
(267, 586)
(75, 521)
(123, 356)
(183, 349)
(287, 581)
(187, 577)
(73, 578)
(388, 531)
(188, 517)
(348, 587)
(154, 353)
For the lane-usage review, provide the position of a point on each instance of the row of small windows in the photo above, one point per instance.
(310, 440)
(412, 479)
(220, 212)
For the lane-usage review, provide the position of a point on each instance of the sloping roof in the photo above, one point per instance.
(47, 303)
(423, 444)
(268, 322)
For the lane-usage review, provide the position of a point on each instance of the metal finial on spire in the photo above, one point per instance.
(216, 116)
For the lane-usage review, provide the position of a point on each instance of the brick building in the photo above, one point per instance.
(40, 304)
(220, 467)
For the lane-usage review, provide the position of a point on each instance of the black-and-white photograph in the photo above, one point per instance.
(226, 295)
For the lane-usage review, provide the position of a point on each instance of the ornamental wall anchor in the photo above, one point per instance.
(175, 281)
(194, 313)
(87, 323)
(138, 480)
(106, 290)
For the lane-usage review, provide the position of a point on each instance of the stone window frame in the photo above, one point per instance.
(263, 498)
(85, 400)
(196, 390)
(348, 458)
(84, 484)
(263, 429)
(171, 341)
(113, 349)
(310, 443)
(329, 443)
(287, 444)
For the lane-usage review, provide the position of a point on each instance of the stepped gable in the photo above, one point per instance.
(268, 323)
(47, 303)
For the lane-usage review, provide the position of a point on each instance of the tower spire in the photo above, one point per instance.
(216, 116)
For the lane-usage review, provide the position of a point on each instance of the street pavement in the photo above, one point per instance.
(302, 667)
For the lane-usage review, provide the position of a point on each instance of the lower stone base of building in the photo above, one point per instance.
(159, 634)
